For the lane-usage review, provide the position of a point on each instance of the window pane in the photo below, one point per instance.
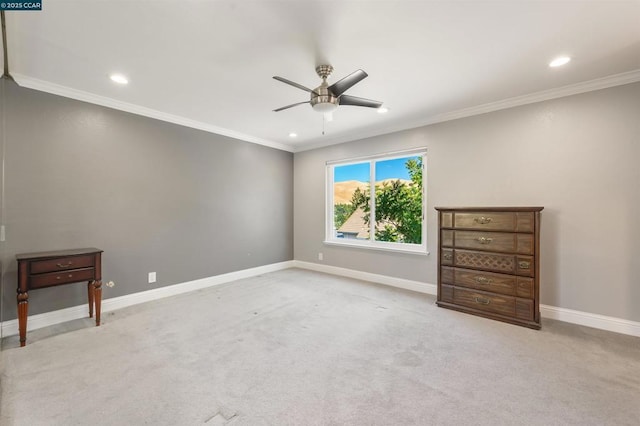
(351, 201)
(398, 200)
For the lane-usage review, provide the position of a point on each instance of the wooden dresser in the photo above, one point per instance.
(489, 262)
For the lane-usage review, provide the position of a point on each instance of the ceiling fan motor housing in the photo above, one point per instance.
(323, 100)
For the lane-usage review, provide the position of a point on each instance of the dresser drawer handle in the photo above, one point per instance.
(483, 280)
(482, 220)
(484, 240)
(524, 264)
(482, 300)
(447, 256)
(66, 265)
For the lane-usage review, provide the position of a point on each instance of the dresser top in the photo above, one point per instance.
(490, 209)
(57, 253)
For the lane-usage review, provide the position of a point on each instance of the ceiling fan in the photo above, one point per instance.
(325, 98)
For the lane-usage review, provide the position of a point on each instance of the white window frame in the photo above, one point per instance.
(371, 243)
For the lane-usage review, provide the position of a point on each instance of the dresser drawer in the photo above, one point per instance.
(492, 241)
(505, 263)
(62, 277)
(495, 221)
(494, 303)
(499, 304)
(61, 264)
(511, 285)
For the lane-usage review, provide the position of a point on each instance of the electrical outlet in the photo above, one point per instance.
(152, 277)
(320, 256)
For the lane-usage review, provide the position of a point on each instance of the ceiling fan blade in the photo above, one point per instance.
(291, 83)
(356, 101)
(289, 106)
(339, 87)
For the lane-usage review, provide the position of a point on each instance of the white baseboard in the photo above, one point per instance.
(10, 328)
(416, 286)
(617, 325)
(588, 319)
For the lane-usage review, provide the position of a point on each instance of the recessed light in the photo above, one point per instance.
(293, 135)
(119, 78)
(559, 61)
(383, 110)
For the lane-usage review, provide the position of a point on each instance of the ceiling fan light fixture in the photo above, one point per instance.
(383, 110)
(325, 107)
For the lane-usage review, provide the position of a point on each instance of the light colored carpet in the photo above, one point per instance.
(297, 347)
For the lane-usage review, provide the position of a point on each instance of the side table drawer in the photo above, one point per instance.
(62, 277)
(61, 264)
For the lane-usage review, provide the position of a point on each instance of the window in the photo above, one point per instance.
(378, 202)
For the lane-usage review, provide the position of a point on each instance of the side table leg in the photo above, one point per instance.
(98, 299)
(90, 294)
(23, 308)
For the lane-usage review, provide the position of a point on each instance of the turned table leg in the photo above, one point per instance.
(23, 308)
(97, 295)
(90, 294)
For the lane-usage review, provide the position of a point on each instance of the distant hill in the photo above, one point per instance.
(342, 191)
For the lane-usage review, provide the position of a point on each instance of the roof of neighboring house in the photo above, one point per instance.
(356, 224)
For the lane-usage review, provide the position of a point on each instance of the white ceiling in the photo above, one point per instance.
(208, 64)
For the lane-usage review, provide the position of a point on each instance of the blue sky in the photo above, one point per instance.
(387, 169)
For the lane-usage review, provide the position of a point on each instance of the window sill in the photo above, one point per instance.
(420, 251)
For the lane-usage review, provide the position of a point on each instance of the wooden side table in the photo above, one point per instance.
(53, 268)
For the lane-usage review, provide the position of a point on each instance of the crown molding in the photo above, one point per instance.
(67, 92)
(545, 95)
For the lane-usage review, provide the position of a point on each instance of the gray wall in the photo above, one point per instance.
(576, 156)
(153, 195)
